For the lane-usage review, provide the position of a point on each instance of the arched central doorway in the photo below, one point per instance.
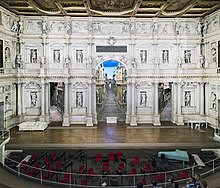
(111, 91)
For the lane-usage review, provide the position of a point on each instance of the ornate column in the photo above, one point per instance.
(42, 117)
(66, 103)
(22, 99)
(179, 105)
(89, 113)
(207, 107)
(47, 94)
(19, 100)
(128, 112)
(94, 113)
(156, 114)
(133, 109)
(202, 97)
(174, 103)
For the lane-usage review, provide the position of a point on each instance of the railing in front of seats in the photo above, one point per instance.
(129, 181)
(4, 135)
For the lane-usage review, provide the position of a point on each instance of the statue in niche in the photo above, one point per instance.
(18, 61)
(179, 62)
(165, 56)
(7, 102)
(33, 55)
(67, 62)
(7, 54)
(213, 100)
(43, 61)
(202, 61)
(187, 56)
(187, 98)
(33, 99)
(79, 56)
(143, 99)
(214, 55)
(79, 99)
(56, 55)
(143, 56)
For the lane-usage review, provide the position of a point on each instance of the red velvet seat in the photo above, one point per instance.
(66, 178)
(98, 157)
(135, 161)
(144, 181)
(23, 165)
(36, 169)
(160, 178)
(119, 155)
(59, 165)
(51, 170)
(82, 169)
(53, 156)
(111, 156)
(184, 174)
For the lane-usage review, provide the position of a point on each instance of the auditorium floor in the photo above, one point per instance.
(113, 136)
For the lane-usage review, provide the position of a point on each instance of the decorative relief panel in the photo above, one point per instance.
(111, 28)
(6, 21)
(214, 23)
(33, 26)
(187, 28)
(79, 27)
(165, 28)
(143, 28)
(57, 27)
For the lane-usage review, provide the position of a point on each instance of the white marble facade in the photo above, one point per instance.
(157, 50)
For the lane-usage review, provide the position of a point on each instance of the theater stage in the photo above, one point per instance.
(113, 136)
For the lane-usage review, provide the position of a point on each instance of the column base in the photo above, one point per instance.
(133, 120)
(89, 121)
(66, 122)
(42, 119)
(180, 120)
(157, 120)
(94, 118)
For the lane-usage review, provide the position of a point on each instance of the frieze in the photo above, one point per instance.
(143, 28)
(56, 27)
(117, 27)
(83, 85)
(80, 27)
(143, 84)
(33, 26)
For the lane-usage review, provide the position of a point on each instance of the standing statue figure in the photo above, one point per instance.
(14, 27)
(202, 61)
(154, 28)
(44, 27)
(79, 99)
(143, 99)
(199, 28)
(187, 98)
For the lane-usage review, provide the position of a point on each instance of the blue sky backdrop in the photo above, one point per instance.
(110, 67)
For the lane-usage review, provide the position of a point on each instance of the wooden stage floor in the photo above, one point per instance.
(113, 136)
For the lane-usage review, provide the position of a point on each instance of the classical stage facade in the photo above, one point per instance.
(49, 61)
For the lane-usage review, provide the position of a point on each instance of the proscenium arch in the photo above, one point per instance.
(101, 62)
(120, 63)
